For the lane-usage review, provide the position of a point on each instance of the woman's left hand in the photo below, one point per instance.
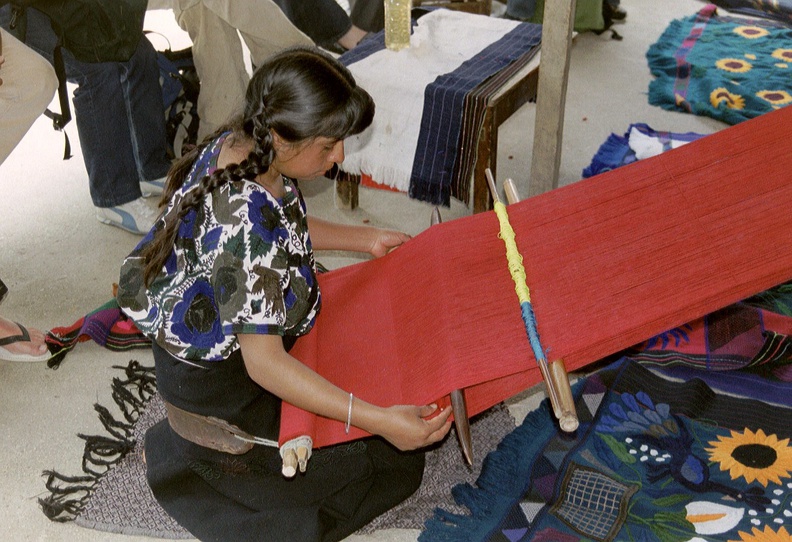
(387, 240)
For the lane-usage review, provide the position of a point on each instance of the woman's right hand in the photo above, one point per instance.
(409, 427)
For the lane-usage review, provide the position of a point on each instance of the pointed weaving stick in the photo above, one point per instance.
(458, 401)
(554, 375)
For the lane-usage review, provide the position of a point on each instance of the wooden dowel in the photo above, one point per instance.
(492, 187)
(458, 402)
(302, 458)
(567, 415)
(289, 468)
(462, 422)
(554, 373)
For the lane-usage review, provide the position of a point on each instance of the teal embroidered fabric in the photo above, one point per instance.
(728, 68)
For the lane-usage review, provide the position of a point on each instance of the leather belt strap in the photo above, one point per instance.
(208, 431)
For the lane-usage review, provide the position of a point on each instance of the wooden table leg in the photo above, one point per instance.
(559, 17)
(346, 194)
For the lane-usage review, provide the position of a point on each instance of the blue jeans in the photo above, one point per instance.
(520, 9)
(119, 114)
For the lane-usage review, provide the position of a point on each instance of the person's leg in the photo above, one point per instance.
(219, 61)
(520, 9)
(368, 15)
(613, 10)
(145, 112)
(18, 343)
(28, 85)
(324, 21)
(264, 27)
(100, 112)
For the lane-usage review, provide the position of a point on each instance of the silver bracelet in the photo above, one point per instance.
(349, 415)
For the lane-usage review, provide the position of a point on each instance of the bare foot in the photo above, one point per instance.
(33, 347)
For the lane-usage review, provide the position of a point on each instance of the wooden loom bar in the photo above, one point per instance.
(555, 374)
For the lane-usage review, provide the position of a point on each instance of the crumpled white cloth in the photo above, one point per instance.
(645, 146)
(441, 41)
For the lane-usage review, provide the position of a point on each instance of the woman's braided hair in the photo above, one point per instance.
(300, 94)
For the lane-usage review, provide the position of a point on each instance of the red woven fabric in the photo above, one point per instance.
(611, 261)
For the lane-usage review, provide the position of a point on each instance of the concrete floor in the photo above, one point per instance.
(60, 262)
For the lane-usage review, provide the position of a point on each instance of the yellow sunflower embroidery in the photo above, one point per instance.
(734, 65)
(782, 65)
(721, 95)
(767, 535)
(754, 456)
(783, 54)
(775, 97)
(751, 32)
(750, 56)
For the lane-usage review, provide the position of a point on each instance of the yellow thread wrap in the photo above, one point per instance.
(513, 256)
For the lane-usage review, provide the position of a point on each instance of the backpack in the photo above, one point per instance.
(95, 30)
(92, 30)
(180, 89)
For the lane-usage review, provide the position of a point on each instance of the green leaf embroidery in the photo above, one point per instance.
(617, 448)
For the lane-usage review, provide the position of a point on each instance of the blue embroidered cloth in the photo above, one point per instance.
(685, 438)
(638, 142)
(653, 459)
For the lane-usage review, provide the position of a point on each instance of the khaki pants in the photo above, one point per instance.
(29, 83)
(217, 49)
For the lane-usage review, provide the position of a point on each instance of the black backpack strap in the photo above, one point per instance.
(18, 27)
(60, 120)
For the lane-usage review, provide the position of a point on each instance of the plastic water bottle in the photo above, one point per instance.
(397, 24)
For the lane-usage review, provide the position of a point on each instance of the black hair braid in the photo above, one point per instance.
(255, 164)
(299, 94)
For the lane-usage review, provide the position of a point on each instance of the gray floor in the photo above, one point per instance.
(60, 262)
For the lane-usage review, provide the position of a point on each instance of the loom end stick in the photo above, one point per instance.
(491, 183)
(435, 219)
(302, 458)
(458, 402)
(554, 374)
(459, 407)
(566, 413)
(290, 463)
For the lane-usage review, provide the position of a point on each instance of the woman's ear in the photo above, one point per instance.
(277, 141)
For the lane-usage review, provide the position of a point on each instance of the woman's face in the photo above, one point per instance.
(307, 160)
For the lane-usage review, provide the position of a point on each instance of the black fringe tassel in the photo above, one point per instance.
(69, 494)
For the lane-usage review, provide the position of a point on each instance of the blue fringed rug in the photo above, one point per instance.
(654, 459)
(728, 68)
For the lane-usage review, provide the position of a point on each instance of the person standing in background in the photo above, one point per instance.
(215, 27)
(118, 109)
(27, 85)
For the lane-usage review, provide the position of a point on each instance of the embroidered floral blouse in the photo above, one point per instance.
(242, 263)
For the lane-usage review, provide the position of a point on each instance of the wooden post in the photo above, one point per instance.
(557, 24)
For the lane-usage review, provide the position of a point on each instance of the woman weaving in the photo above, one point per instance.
(224, 284)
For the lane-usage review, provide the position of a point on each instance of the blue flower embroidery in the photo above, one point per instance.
(195, 318)
(266, 223)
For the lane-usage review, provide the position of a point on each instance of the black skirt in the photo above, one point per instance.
(223, 497)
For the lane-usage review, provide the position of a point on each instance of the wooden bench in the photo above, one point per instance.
(512, 95)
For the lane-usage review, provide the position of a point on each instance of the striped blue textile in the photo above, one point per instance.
(439, 145)
(441, 122)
